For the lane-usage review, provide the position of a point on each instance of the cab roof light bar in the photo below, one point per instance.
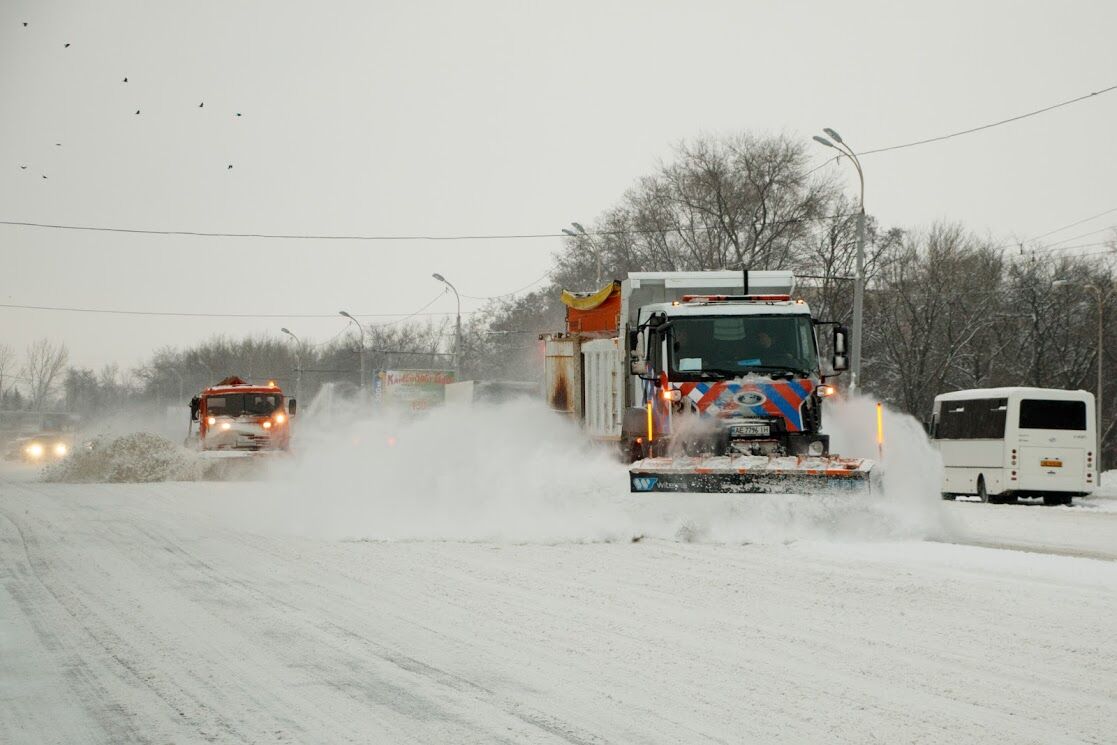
(735, 298)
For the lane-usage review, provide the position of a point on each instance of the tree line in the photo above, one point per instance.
(945, 308)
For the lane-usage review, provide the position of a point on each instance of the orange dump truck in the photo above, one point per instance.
(239, 418)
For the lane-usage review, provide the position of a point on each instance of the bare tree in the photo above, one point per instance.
(7, 367)
(43, 368)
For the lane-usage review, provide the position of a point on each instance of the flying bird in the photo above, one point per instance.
(203, 103)
(238, 113)
(23, 168)
(137, 112)
(44, 175)
(64, 46)
(125, 80)
(58, 144)
(230, 167)
(25, 24)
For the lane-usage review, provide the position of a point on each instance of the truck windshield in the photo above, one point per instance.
(240, 404)
(730, 346)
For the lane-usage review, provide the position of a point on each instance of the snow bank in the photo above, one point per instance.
(136, 457)
(516, 472)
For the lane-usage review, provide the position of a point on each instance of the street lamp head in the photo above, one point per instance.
(570, 232)
(578, 227)
(439, 277)
(343, 313)
(833, 135)
(823, 140)
(286, 331)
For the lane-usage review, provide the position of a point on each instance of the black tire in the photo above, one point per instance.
(949, 496)
(982, 492)
(1056, 499)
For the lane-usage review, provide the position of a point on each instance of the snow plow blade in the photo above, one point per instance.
(747, 474)
(235, 465)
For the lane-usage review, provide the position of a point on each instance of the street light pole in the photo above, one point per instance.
(362, 348)
(458, 328)
(298, 362)
(1101, 357)
(859, 281)
(581, 234)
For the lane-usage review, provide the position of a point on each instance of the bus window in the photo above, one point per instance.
(974, 419)
(1039, 414)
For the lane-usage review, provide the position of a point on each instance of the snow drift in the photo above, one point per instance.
(136, 457)
(517, 472)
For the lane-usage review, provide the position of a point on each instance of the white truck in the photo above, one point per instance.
(703, 381)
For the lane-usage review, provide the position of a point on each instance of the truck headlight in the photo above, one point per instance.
(60, 449)
(35, 450)
(815, 448)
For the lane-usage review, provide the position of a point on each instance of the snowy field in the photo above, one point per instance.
(401, 583)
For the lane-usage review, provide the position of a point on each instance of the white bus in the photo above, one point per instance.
(1004, 443)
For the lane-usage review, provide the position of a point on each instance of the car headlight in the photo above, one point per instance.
(60, 449)
(226, 425)
(35, 450)
(212, 420)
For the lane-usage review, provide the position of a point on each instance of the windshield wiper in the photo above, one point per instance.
(778, 368)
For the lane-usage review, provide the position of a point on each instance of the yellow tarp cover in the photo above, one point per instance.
(589, 301)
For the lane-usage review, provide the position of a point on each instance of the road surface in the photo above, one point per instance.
(146, 614)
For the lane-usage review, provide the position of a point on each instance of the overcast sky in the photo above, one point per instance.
(441, 118)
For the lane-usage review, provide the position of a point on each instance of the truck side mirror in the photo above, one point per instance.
(291, 406)
(841, 345)
(637, 359)
(194, 407)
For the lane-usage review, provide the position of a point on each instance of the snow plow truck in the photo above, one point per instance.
(703, 382)
(238, 420)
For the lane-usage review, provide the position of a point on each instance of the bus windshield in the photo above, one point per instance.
(731, 346)
(241, 404)
(1040, 414)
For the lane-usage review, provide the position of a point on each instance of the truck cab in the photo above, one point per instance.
(695, 363)
(729, 373)
(239, 416)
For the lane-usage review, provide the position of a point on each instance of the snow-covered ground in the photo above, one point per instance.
(385, 588)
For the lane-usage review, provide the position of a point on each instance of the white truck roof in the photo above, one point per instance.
(1008, 391)
(648, 288)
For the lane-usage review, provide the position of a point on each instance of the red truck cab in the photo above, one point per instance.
(235, 415)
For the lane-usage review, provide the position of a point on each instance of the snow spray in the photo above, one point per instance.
(517, 472)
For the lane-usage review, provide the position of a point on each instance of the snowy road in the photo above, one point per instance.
(141, 614)
(1089, 529)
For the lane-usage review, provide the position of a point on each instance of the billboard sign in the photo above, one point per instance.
(414, 389)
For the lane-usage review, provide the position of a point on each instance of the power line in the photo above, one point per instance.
(1073, 224)
(1016, 118)
(509, 294)
(959, 133)
(218, 315)
(386, 238)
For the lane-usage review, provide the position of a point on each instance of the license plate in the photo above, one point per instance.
(1050, 463)
(749, 430)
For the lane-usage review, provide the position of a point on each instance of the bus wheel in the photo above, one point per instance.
(982, 492)
(949, 496)
(1054, 499)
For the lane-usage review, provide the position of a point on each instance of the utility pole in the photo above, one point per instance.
(361, 329)
(581, 235)
(859, 280)
(1099, 411)
(298, 363)
(458, 328)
